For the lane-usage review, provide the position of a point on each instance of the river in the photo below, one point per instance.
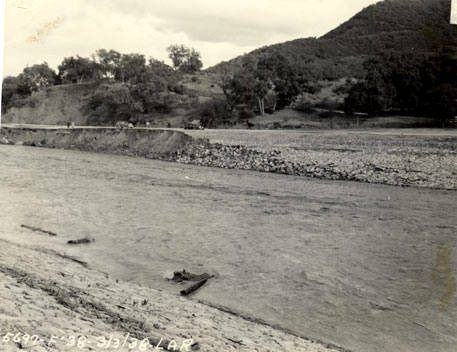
(366, 267)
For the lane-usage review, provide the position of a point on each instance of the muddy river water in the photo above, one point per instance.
(365, 267)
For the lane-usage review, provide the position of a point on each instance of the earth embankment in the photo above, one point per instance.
(55, 105)
(155, 144)
(425, 159)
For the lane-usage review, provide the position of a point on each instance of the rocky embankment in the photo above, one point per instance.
(416, 167)
(418, 161)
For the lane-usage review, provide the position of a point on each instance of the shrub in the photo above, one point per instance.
(213, 113)
(111, 103)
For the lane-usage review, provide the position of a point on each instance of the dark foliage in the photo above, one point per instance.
(185, 59)
(213, 113)
(128, 85)
(270, 83)
(32, 79)
(78, 69)
(10, 89)
(410, 84)
(111, 103)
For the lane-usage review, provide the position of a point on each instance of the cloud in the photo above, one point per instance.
(244, 22)
(220, 30)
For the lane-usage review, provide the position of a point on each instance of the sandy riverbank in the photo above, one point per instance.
(65, 303)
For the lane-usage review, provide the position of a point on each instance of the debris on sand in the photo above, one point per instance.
(84, 240)
(73, 259)
(182, 276)
(37, 229)
(31, 286)
(194, 287)
(238, 342)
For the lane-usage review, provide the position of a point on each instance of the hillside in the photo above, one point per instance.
(55, 105)
(153, 93)
(60, 104)
(418, 26)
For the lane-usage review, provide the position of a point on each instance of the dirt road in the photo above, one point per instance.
(366, 267)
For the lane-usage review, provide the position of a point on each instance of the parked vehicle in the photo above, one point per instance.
(124, 124)
(194, 125)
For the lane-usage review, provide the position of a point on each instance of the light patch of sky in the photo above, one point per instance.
(454, 12)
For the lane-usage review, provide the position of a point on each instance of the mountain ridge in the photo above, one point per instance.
(417, 26)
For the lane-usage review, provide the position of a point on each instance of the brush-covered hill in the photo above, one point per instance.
(103, 90)
(417, 26)
(312, 71)
(54, 105)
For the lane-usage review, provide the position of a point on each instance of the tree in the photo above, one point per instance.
(439, 98)
(151, 96)
(177, 54)
(111, 103)
(239, 88)
(213, 112)
(38, 76)
(10, 86)
(284, 78)
(184, 59)
(376, 93)
(411, 84)
(78, 69)
(109, 61)
(266, 84)
(160, 69)
(31, 79)
(193, 63)
(407, 80)
(132, 69)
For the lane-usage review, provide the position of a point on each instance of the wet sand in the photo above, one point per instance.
(365, 267)
(52, 304)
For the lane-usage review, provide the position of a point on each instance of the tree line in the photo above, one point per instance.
(261, 85)
(134, 80)
(422, 85)
(131, 85)
(393, 83)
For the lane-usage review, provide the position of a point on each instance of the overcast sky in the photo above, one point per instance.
(454, 12)
(49, 30)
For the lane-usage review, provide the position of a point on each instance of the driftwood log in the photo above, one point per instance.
(84, 240)
(194, 287)
(180, 276)
(37, 229)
